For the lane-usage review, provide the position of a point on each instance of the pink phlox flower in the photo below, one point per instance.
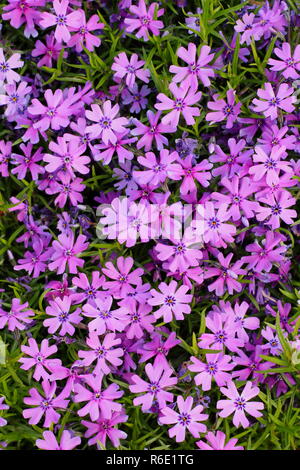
(35, 262)
(105, 428)
(27, 162)
(6, 65)
(284, 311)
(5, 156)
(196, 68)
(288, 63)
(162, 341)
(105, 152)
(159, 170)
(185, 96)
(49, 441)
(136, 98)
(236, 162)
(269, 102)
(269, 165)
(160, 378)
(83, 36)
(187, 419)
(49, 51)
(68, 189)
(15, 98)
(248, 26)
(17, 316)
(107, 124)
(273, 346)
(67, 155)
(265, 255)
(64, 21)
(104, 352)
(140, 320)
(24, 11)
(192, 173)
(105, 318)
(239, 404)
(153, 131)
(89, 290)
(62, 318)
(39, 358)
(180, 255)
(273, 136)
(3, 406)
(224, 109)
(227, 275)
(144, 20)
(217, 442)
(216, 367)
(213, 226)
(122, 279)
(277, 210)
(171, 300)
(66, 251)
(131, 69)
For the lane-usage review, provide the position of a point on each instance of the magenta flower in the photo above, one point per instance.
(104, 317)
(103, 352)
(223, 333)
(273, 345)
(185, 97)
(20, 12)
(109, 149)
(14, 98)
(227, 275)
(179, 256)
(59, 309)
(238, 404)
(270, 165)
(61, 19)
(39, 358)
(188, 419)
(3, 406)
(196, 68)
(143, 20)
(263, 257)
(249, 27)
(67, 156)
(159, 375)
(224, 110)
(158, 170)
(216, 367)
(27, 162)
(273, 135)
(83, 36)
(91, 289)
(172, 301)
(154, 131)
(68, 189)
(6, 66)
(16, 317)
(107, 122)
(159, 346)
(131, 69)
(35, 262)
(5, 154)
(234, 162)
(140, 320)
(66, 250)
(55, 114)
(106, 428)
(44, 405)
(217, 442)
(277, 210)
(122, 278)
(213, 226)
(190, 172)
(67, 442)
(98, 400)
(289, 64)
(269, 102)
(49, 51)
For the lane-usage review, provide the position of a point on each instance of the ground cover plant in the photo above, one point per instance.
(149, 249)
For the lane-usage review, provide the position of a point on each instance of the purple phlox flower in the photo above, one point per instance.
(131, 69)
(272, 19)
(49, 441)
(125, 178)
(185, 96)
(33, 232)
(27, 162)
(39, 358)
(160, 378)
(270, 102)
(49, 51)
(105, 318)
(191, 274)
(223, 332)
(5, 156)
(239, 404)
(83, 138)
(158, 170)
(83, 36)
(106, 428)
(90, 290)
(66, 250)
(17, 316)
(284, 311)
(270, 165)
(154, 131)
(20, 206)
(237, 199)
(236, 162)
(74, 374)
(35, 261)
(273, 136)
(64, 21)
(68, 189)
(62, 318)
(190, 172)
(108, 150)
(139, 294)
(122, 279)
(140, 320)
(289, 64)
(193, 21)
(273, 345)
(107, 124)
(15, 98)
(196, 68)
(265, 255)
(224, 110)
(277, 210)
(135, 97)
(188, 419)
(146, 194)
(6, 66)
(24, 11)
(100, 402)
(67, 155)
(3, 406)
(216, 367)
(248, 26)
(250, 131)
(179, 256)
(251, 365)
(104, 352)
(171, 300)
(159, 346)
(217, 442)
(227, 275)
(143, 20)
(213, 226)
(44, 405)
